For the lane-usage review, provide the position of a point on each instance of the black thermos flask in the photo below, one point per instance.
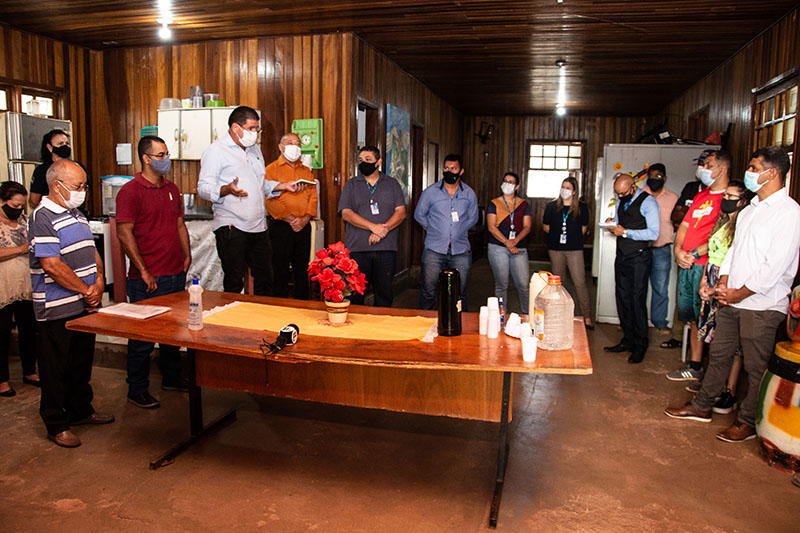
(449, 302)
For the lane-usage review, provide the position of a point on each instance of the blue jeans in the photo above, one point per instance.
(502, 260)
(432, 264)
(169, 359)
(659, 285)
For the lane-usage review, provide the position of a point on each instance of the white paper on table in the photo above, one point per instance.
(133, 310)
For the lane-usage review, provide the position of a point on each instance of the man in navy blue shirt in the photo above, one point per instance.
(446, 210)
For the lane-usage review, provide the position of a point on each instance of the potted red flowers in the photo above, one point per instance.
(338, 277)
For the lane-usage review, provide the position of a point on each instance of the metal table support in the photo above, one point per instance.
(502, 452)
(196, 427)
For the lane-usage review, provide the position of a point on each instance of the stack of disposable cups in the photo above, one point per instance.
(493, 322)
(483, 320)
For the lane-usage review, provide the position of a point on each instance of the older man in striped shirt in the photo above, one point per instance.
(67, 279)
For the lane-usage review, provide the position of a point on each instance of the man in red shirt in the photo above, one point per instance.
(691, 254)
(153, 235)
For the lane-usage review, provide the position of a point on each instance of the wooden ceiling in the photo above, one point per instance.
(485, 57)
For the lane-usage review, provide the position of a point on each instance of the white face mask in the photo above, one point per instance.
(507, 188)
(706, 178)
(248, 138)
(291, 152)
(698, 170)
(76, 198)
(566, 194)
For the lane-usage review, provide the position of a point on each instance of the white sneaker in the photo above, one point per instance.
(687, 373)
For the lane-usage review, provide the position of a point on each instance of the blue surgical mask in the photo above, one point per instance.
(751, 180)
(161, 166)
(705, 177)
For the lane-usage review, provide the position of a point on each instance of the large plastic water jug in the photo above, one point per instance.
(553, 313)
(538, 282)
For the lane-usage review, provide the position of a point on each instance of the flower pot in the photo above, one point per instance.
(337, 311)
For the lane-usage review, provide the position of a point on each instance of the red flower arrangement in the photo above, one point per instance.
(337, 274)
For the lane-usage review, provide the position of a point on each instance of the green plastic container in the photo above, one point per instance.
(150, 130)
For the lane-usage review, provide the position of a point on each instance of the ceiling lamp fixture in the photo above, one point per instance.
(165, 12)
(561, 100)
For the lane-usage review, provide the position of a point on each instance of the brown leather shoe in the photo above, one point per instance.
(65, 439)
(94, 418)
(738, 432)
(688, 412)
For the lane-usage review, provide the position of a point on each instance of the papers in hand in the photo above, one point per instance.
(610, 224)
(304, 181)
(133, 310)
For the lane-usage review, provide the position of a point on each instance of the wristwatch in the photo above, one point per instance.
(695, 253)
(624, 234)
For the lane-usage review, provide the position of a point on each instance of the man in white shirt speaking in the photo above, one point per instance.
(755, 281)
(232, 179)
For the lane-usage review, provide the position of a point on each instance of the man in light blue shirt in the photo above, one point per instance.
(638, 225)
(232, 178)
(446, 210)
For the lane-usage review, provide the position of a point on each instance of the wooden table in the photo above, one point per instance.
(468, 376)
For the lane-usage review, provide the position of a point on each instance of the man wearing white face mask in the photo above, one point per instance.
(289, 216)
(691, 254)
(232, 179)
(755, 281)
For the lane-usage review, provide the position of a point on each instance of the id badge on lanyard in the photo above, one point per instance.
(373, 208)
(563, 238)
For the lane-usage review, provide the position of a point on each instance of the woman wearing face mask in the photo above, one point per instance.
(15, 286)
(509, 219)
(735, 198)
(55, 146)
(566, 220)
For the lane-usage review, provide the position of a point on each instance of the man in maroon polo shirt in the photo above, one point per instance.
(153, 235)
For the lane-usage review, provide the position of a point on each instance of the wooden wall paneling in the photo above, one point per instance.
(726, 90)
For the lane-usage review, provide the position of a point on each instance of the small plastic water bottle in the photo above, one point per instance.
(195, 305)
(501, 307)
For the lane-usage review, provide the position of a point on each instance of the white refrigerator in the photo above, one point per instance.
(680, 165)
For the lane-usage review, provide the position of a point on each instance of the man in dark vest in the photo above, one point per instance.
(637, 225)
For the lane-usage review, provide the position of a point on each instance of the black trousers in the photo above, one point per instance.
(290, 248)
(65, 369)
(632, 275)
(378, 268)
(22, 311)
(239, 250)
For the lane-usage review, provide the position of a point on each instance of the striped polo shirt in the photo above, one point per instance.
(55, 231)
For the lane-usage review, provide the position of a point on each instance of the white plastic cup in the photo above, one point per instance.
(528, 349)
(493, 326)
(493, 304)
(483, 320)
(525, 330)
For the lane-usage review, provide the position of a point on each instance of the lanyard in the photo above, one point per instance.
(510, 211)
(372, 188)
(564, 217)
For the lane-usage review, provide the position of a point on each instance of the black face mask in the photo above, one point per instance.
(449, 177)
(727, 206)
(655, 184)
(12, 213)
(367, 169)
(625, 199)
(63, 151)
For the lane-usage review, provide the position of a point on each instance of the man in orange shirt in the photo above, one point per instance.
(289, 215)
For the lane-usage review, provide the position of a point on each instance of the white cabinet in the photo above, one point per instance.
(188, 132)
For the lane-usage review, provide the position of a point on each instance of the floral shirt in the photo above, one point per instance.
(15, 276)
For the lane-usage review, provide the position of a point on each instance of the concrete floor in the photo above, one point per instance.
(588, 453)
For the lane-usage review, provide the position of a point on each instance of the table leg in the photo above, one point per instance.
(196, 428)
(502, 452)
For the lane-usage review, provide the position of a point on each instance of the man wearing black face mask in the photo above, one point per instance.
(446, 211)
(662, 247)
(638, 224)
(153, 235)
(373, 207)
